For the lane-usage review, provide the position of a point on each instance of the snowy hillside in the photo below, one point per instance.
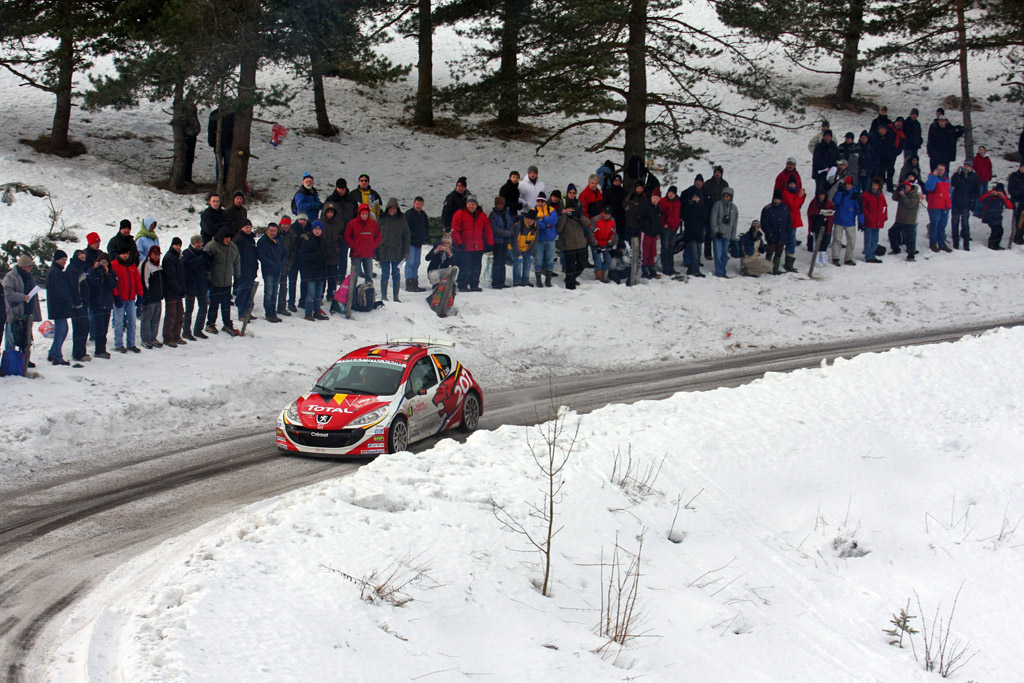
(803, 510)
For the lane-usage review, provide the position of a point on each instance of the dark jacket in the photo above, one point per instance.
(437, 259)
(992, 209)
(942, 142)
(58, 294)
(227, 133)
(119, 243)
(346, 205)
(453, 203)
(631, 207)
(614, 197)
(334, 234)
(236, 216)
(394, 234)
(826, 154)
(1015, 186)
(248, 262)
(76, 272)
(912, 129)
(226, 265)
(648, 218)
(102, 284)
(419, 227)
(210, 222)
(152, 282)
(501, 226)
(510, 191)
(273, 255)
(695, 217)
(174, 276)
(312, 257)
(195, 265)
(776, 223)
(966, 189)
(290, 240)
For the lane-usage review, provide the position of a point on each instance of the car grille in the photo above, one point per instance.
(341, 438)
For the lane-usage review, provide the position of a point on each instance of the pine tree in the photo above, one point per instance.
(78, 33)
(812, 31)
(589, 60)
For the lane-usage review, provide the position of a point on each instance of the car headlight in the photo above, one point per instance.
(292, 414)
(370, 418)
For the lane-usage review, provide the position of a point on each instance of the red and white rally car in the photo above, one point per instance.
(379, 399)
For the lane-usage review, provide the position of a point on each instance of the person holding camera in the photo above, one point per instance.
(904, 230)
(724, 219)
(820, 213)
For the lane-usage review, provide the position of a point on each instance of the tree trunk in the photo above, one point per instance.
(508, 71)
(323, 122)
(59, 140)
(238, 168)
(635, 123)
(965, 83)
(849, 61)
(176, 180)
(423, 113)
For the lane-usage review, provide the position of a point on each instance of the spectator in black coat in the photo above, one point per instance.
(226, 123)
(174, 292)
(614, 197)
(101, 282)
(419, 236)
(152, 298)
(454, 202)
(124, 240)
(912, 129)
(237, 213)
(776, 224)
(211, 220)
(966, 191)
(826, 154)
(942, 140)
(881, 119)
(195, 266)
(510, 191)
(245, 241)
(75, 273)
(58, 306)
(312, 261)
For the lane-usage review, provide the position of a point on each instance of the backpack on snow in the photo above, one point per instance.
(366, 298)
(13, 363)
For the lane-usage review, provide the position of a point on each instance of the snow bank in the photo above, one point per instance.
(813, 505)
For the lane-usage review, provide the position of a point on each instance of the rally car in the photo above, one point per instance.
(379, 399)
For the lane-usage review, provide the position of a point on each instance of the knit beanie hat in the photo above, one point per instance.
(59, 254)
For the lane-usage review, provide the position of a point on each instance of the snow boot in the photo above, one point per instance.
(776, 264)
(548, 274)
(394, 291)
(536, 274)
(383, 292)
(790, 260)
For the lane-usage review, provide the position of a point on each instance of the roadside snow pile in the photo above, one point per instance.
(804, 509)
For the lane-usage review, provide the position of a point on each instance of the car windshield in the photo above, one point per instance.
(374, 378)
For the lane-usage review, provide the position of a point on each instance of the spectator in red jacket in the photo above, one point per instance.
(794, 196)
(787, 174)
(820, 212)
(471, 235)
(983, 167)
(670, 207)
(129, 288)
(876, 213)
(591, 198)
(363, 236)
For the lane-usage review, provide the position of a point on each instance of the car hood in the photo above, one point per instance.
(335, 411)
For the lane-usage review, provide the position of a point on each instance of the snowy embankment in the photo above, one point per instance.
(805, 508)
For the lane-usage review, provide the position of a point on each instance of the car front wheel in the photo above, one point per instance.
(470, 413)
(398, 435)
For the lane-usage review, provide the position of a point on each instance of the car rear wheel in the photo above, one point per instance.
(398, 435)
(470, 413)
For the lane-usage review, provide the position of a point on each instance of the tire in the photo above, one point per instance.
(398, 435)
(470, 413)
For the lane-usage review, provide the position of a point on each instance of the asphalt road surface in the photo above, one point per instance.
(60, 538)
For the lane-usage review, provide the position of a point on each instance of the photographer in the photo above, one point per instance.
(820, 212)
(724, 218)
(904, 230)
(102, 283)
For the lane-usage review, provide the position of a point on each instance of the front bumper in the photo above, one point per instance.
(360, 441)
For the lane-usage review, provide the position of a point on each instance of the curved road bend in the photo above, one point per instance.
(60, 538)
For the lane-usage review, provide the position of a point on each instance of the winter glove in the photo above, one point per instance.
(117, 302)
(860, 226)
(719, 236)
(138, 301)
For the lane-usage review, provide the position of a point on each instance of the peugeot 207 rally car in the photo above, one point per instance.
(379, 399)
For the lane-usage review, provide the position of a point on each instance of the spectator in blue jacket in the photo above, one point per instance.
(306, 199)
(102, 283)
(273, 256)
(847, 218)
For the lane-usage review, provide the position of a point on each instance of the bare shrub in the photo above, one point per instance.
(393, 584)
(621, 617)
(634, 478)
(558, 441)
(943, 652)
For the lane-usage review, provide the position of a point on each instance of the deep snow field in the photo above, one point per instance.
(912, 453)
(812, 506)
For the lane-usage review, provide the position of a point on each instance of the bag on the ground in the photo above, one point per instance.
(21, 330)
(46, 329)
(366, 298)
(880, 250)
(13, 363)
(442, 297)
(341, 295)
(735, 251)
